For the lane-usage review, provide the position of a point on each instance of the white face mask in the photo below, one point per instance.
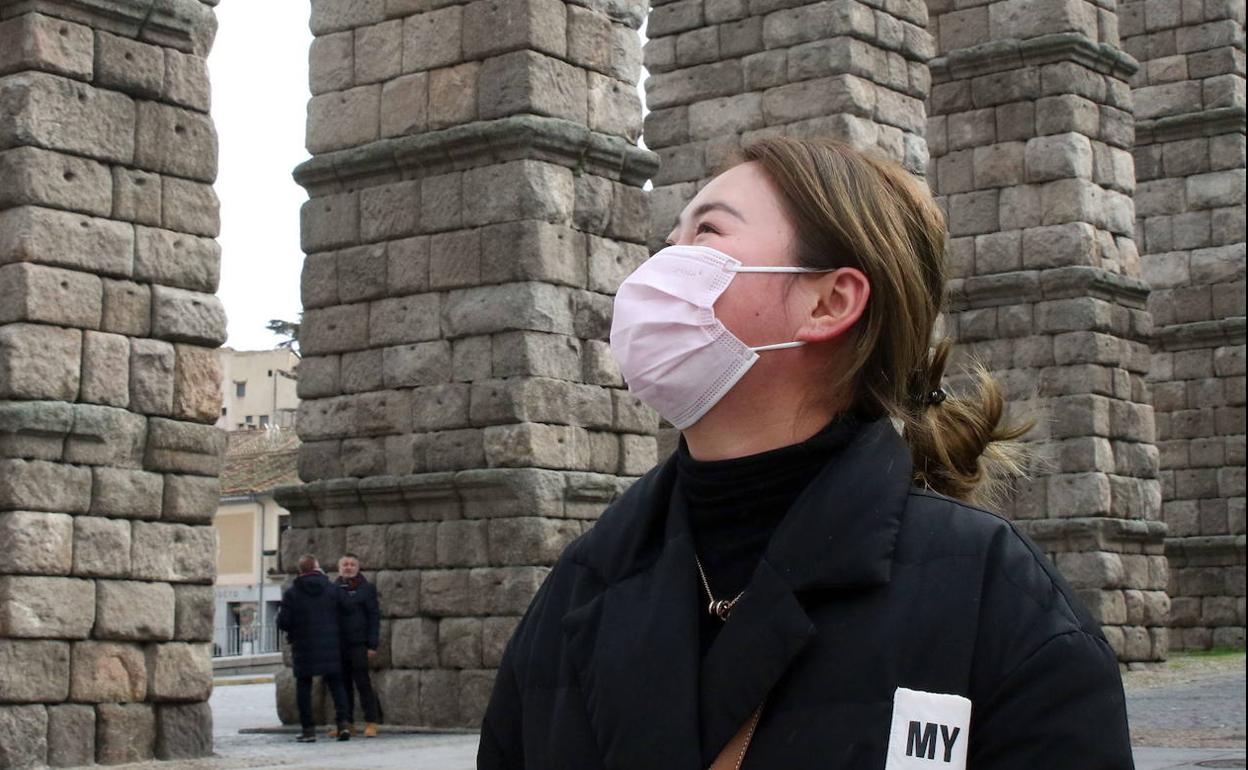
(674, 353)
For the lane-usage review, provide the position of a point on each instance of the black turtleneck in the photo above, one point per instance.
(735, 505)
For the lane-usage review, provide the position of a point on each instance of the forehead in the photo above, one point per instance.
(745, 187)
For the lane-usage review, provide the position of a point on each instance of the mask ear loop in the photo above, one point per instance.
(780, 269)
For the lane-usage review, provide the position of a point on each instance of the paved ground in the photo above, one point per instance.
(1189, 715)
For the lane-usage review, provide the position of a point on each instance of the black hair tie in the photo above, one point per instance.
(936, 397)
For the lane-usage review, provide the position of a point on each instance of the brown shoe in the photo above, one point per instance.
(332, 732)
(370, 730)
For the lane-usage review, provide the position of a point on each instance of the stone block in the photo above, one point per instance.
(405, 104)
(331, 62)
(518, 190)
(504, 590)
(42, 178)
(453, 95)
(439, 697)
(39, 42)
(125, 733)
(190, 499)
(196, 383)
(181, 447)
(492, 27)
(177, 671)
(130, 610)
(530, 539)
(101, 547)
(536, 307)
(46, 607)
(412, 544)
(614, 107)
(171, 140)
(129, 66)
(190, 207)
(186, 80)
(330, 16)
(36, 543)
(402, 320)
(44, 486)
(388, 211)
(34, 671)
(432, 39)
(414, 643)
(105, 435)
(127, 308)
(126, 493)
(1062, 156)
(455, 259)
(106, 369)
(108, 671)
(173, 552)
(34, 430)
(26, 736)
(193, 611)
(526, 82)
(462, 543)
(152, 365)
(378, 51)
(57, 113)
(71, 735)
(337, 329)
(459, 642)
(344, 118)
(329, 221)
(471, 358)
(183, 731)
(39, 362)
(495, 633)
(179, 315)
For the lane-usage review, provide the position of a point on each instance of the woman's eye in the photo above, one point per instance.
(705, 228)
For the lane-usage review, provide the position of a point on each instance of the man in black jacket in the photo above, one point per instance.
(309, 615)
(361, 632)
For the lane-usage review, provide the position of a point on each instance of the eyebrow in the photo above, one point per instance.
(711, 206)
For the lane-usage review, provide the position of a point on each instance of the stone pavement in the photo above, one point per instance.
(1189, 715)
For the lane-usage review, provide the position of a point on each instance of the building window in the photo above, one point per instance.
(240, 389)
(264, 421)
(248, 419)
(224, 410)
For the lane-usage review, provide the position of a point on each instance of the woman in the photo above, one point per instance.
(801, 585)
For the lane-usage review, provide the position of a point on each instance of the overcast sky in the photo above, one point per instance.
(259, 70)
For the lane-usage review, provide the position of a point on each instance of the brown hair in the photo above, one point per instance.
(307, 563)
(851, 209)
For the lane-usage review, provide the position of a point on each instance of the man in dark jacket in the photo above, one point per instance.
(361, 632)
(309, 615)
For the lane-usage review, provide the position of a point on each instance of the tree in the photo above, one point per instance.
(289, 329)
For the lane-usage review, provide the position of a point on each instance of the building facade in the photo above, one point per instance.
(258, 389)
(249, 522)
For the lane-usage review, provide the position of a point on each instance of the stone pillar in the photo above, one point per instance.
(1031, 134)
(108, 381)
(475, 198)
(724, 72)
(1189, 165)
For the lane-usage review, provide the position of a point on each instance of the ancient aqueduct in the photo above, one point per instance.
(476, 194)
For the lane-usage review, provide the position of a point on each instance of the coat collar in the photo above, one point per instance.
(651, 700)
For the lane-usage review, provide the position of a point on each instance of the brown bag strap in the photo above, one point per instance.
(733, 753)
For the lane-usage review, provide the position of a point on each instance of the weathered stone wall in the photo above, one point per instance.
(475, 198)
(724, 72)
(108, 457)
(1189, 165)
(1031, 136)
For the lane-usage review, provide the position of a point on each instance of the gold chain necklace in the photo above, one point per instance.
(720, 608)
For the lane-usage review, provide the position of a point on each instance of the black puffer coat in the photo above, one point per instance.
(885, 627)
(361, 613)
(310, 616)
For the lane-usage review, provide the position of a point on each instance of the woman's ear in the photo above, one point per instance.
(839, 299)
